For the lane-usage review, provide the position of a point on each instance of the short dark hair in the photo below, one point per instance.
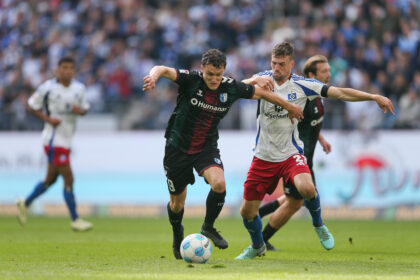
(311, 64)
(66, 59)
(284, 49)
(214, 57)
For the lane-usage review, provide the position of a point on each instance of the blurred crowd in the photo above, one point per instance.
(372, 45)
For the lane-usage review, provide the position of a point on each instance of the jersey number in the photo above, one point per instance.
(300, 159)
(171, 186)
(316, 110)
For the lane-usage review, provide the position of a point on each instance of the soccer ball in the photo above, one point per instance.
(196, 248)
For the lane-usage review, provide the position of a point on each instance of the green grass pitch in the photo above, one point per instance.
(123, 248)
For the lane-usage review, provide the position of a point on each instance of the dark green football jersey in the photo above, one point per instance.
(310, 127)
(194, 122)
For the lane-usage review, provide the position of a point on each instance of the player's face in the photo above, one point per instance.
(65, 71)
(212, 75)
(323, 72)
(282, 67)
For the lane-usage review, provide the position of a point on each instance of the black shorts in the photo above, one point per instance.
(291, 190)
(179, 166)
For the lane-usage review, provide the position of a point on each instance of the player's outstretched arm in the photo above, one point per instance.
(155, 73)
(349, 94)
(295, 112)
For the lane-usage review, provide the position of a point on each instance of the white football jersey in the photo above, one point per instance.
(58, 101)
(277, 138)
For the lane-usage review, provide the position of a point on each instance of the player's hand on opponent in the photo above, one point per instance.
(295, 112)
(149, 83)
(264, 82)
(385, 104)
(53, 121)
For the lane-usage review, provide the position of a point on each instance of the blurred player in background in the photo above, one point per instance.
(58, 102)
(316, 67)
(279, 150)
(204, 99)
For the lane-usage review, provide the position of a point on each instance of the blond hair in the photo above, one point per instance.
(311, 64)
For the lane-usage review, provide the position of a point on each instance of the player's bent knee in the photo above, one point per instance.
(176, 206)
(219, 186)
(308, 191)
(296, 204)
(48, 183)
(247, 213)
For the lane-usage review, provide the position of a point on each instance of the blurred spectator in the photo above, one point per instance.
(94, 95)
(115, 43)
(409, 106)
(364, 116)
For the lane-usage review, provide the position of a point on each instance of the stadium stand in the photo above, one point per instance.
(371, 45)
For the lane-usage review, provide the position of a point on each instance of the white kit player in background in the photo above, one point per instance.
(58, 102)
(279, 150)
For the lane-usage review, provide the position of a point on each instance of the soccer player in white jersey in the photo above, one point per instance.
(279, 150)
(58, 102)
(286, 205)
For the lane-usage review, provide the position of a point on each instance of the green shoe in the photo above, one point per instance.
(22, 211)
(250, 253)
(326, 238)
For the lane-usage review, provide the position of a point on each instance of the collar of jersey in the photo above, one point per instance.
(208, 89)
(57, 80)
(282, 86)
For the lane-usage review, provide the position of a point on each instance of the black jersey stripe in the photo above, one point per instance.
(46, 103)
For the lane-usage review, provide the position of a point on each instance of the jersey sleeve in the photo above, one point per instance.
(36, 101)
(184, 77)
(245, 90)
(265, 73)
(312, 88)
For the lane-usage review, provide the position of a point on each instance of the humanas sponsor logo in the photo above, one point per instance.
(201, 104)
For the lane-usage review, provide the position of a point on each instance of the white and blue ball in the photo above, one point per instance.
(196, 248)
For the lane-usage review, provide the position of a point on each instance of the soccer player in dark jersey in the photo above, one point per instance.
(315, 67)
(204, 98)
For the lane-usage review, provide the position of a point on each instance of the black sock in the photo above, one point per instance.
(175, 218)
(268, 232)
(214, 205)
(269, 208)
